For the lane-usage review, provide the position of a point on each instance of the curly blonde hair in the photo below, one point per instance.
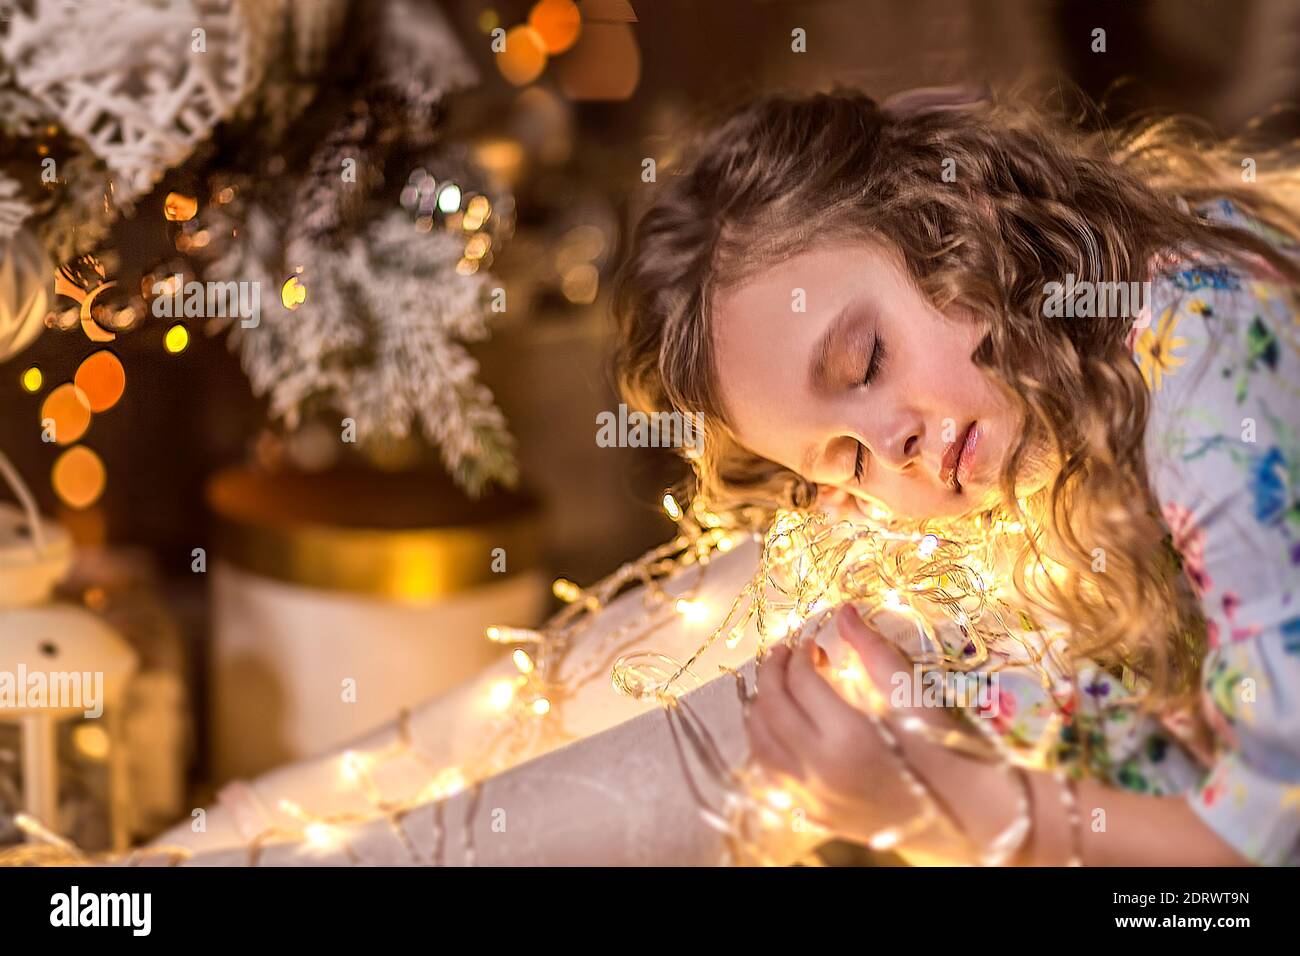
(1036, 198)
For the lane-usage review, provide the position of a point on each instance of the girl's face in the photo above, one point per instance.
(869, 389)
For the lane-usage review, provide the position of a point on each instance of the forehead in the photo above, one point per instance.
(789, 304)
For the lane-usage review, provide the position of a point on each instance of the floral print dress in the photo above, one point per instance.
(1220, 351)
(1219, 348)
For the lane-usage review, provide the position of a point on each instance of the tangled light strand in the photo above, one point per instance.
(810, 564)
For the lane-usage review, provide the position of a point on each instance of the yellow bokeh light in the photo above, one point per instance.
(477, 246)
(66, 411)
(671, 506)
(177, 339)
(541, 707)
(32, 379)
(522, 661)
(293, 293)
(78, 477)
(91, 741)
(502, 157)
(479, 208)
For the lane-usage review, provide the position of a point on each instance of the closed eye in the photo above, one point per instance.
(874, 362)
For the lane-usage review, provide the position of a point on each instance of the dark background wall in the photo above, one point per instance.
(182, 417)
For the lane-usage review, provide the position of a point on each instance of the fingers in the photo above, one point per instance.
(784, 713)
(768, 750)
(884, 664)
(880, 659)
(783, 726)
(813, 693)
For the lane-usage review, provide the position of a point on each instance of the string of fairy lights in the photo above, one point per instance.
(947, 580)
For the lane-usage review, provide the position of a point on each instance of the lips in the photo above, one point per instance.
(959, 458)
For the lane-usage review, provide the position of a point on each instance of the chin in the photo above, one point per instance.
(951, 506)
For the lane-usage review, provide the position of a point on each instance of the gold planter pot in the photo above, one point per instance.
(339, 598)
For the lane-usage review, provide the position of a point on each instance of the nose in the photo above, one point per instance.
(895, 443)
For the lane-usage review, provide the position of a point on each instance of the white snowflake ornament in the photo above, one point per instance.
(141, 81)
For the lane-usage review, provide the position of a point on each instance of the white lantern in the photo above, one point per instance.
(58, 662)
(26, 276)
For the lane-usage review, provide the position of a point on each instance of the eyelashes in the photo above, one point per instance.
(874, 363)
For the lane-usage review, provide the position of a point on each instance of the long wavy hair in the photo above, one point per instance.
(1034, 197)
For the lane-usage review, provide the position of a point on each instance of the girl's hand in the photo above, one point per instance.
(840, 768)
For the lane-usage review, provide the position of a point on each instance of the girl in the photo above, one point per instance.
(865, 304)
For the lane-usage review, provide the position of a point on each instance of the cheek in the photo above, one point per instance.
(764, 419)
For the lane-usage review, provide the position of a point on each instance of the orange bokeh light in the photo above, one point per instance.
(557, 22)
(67, 410)
(524, 57)
(78, 477)
(102, 380)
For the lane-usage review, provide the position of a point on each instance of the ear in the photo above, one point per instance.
(834, 501)
(838, 503)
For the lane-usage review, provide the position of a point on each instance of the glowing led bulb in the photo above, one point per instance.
(771, 818)
(512, 635)
(541, 706)
(501, 693)
(927, 545)
(320, 836)
(691, 610)
(885, 839)
(850, 673)
(566, 590)
(780, 799)
(354, 766)
(522, 661)
(449, 781)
